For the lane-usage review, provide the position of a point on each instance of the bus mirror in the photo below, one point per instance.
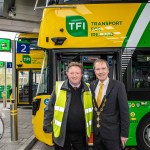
(35, 106)
(58, 40)
(19, 65)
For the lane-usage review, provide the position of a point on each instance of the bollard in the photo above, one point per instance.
(4, 99)
(14, 121)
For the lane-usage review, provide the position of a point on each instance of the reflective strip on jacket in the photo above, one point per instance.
(61, 97)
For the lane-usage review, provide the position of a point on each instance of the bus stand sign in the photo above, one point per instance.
(23, 47)
(2, 64)
(9, 64)
(5, 44)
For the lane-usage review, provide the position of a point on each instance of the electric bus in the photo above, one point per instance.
(83, 31)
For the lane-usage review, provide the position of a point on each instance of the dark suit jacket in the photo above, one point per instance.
(114, 119)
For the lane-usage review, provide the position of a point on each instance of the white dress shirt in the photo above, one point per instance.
(105, 85)
(77, 86)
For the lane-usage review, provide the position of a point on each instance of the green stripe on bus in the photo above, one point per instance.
(145, 40)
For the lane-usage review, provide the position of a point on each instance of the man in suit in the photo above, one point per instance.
(111, 112)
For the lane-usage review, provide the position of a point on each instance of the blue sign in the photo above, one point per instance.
(23, 47)
(9, 64)
(46, 101)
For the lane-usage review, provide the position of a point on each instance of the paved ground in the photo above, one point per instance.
(41, 146)
(26, 138)
(25, 131)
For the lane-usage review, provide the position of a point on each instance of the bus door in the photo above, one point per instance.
(62, 60)
(27, 86)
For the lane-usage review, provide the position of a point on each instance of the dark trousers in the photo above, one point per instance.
(74, 141)
(105, 144)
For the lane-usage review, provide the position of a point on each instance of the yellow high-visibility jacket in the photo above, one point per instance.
(61, 97)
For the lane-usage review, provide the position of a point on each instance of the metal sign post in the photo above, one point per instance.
(13, 105)
(14, 121)
(5, 87)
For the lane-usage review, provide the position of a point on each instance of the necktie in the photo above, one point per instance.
(75, 88)
(99, 97)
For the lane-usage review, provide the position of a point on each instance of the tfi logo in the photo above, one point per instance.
(77, 26)
(26, 59)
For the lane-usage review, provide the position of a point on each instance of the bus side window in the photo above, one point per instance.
(140, 71)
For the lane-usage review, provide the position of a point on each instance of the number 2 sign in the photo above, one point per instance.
(23, 47)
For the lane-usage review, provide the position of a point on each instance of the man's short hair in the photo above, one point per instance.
(76, 64)
(99, 61)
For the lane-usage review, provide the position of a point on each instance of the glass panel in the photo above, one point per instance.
(2, 80)
(9, 81)
(35, 82)
(23, 86)
(88, 72)
(42, 87)
(141, 70)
